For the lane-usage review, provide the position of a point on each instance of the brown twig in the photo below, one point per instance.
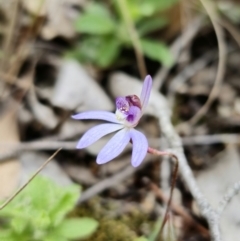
(111, 181)
(23, 49)
(175, 143)
(221, 64)
(53, 144)
(174, 179)
(188, 72)
(179, 210)
(234, 31)
(30, 179)
(9, 36)
(36, 146)
(178, 45)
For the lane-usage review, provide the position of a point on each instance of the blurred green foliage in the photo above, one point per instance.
(39, 212)
(231, 10)
(141, 239)
(104, 33)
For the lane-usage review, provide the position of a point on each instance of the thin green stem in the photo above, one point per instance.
(134, 37)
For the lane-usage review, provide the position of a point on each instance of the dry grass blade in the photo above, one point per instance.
(30, 179)
(212, 12)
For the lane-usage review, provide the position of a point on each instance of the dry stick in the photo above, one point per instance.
(22, 50)
(48, 144)
(188, 72)
(8, 43)
(231, 29)
(180, 43)
(206, 210)
(110, 182)
(9, 36)
(174, 179)
(30, 179)
(178, 209)
(174, 141)
(221, 64)
(211, 139)
(117, 178)
(134, 37)
(234, 190)
(35, 146)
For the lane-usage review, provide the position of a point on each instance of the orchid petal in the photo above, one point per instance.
(134, 115)
(96, 133)
(140, 147)
(114, 147)
(97, 115)
(145, 94)
(122, 104)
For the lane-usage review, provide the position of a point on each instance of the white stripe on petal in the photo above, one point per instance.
(96, 132)
(140, 147)
(114, 147)
(97, 115)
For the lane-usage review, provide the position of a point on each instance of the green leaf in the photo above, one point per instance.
(76, 228)
(39, 208)
(157, 50)
(108, 52)
(149, 25)
(6, 235)
(142, 8)
(10, 235)
(162, 4)
(18, 225)
(52, 236)
(141, 239)
(65, 203)
(231, 10)
(156, 229)
(87, 50)
(95, 24)
(101, 51)
(97, 9)
(41, 220)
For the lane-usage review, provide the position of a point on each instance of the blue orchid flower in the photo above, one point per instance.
(129, 110)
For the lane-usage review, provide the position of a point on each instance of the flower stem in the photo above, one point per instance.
(174, 179)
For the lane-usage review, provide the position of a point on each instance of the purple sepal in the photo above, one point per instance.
(134, 115)
(96, 115)
(114, 147)
(146, 89)
(96, 132)
(140, 147)
(122, 104)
